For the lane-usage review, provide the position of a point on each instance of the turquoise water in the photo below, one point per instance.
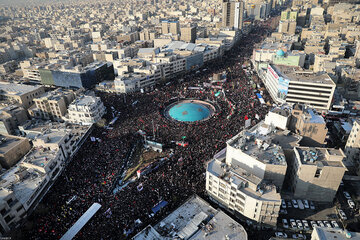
(189, 112)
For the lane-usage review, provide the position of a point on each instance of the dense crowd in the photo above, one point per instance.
(91, 175)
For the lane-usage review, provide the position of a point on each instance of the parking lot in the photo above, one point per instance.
(299, 217)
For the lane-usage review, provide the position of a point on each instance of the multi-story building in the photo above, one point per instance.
(325, 233)
(85, 110)
(247, 175)
(12, 149)
(233, 14)
(316, 173)
(195, 219)
(11, 117)
(20, 93)
(52, 105)
(310, 125)
(286, 84)
(23, 185)
(188, 34)
(352, 147)
(76, 77)
(172, 27)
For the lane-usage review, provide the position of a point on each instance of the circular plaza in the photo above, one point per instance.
(189, 110)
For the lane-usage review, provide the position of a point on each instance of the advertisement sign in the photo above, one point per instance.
(272, 71)
(283, 88)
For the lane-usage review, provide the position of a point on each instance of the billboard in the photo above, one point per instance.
(283, 87)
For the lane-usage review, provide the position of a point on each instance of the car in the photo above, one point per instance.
(294, 203)
(313, 224)
(298, 236)
(285, 223)
(306, 204)
(300, 204)
(283, 203)
(320, 223)
(306, 225)
(342, 214)
(299, 224)
(335, 224)
(351, 203)
(293, 223)
(283, 211)
(312, 206)
(289, 205)
(327, 224)
(347, 195)
(280, 235)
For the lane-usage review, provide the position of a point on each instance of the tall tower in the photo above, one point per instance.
(233, 14)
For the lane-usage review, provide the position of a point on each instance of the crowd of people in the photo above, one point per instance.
(93, 172)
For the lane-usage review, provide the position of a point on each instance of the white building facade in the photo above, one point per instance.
(86, 110)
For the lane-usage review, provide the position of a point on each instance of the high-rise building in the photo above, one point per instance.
(174, 28)
(232, 14)
(352, 147)
(316, 173)
(188, 34)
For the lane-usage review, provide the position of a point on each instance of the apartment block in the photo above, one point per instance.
(85, 110)
(316, 173)
(309, 124)
(19, 93)
(52, 105)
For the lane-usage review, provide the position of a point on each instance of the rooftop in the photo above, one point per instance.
(339, 234)
(245, 181)
(17, 89)
(195, 219)
(84, 101)
(22, 181)
(8, 142)
(320, 156)
(258, 142)
(299, 75)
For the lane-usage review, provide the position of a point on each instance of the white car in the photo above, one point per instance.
(312, 206)
(306, 225)
(327, 224)
(342, 214)
(285, 223)
(283, 203)
(298, 236)
(335, 224)
(280, 234)
(299, 224)
(351, 203)
(294, 203)
(313, 224)
(306, 204)
(293, 224)
(320, 223)
(347, 195)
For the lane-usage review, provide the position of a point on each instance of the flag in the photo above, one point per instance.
(246, 117)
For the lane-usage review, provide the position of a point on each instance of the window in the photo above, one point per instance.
(318, 173)
(222, 185)
(222, 190)
(210, 188)
(3, 211)
(8, 219)
(9, 201)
